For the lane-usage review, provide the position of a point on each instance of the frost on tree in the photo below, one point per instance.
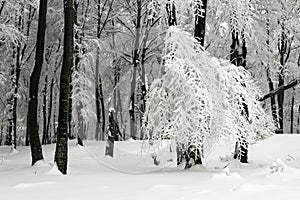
(198, 100)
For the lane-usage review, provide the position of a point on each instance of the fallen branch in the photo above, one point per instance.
(291, 84)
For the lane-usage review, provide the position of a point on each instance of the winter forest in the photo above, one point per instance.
(198, 91)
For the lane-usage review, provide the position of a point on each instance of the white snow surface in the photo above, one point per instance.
(272, 173)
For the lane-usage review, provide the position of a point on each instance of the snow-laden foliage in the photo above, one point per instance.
(200, 98)
(238, 13)
(9, 34)
(83, 95)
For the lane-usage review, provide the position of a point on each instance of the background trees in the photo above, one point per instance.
(118, 48)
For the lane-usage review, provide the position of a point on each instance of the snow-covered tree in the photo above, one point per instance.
(200, 99)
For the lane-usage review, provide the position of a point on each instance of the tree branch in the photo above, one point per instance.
(291, 84)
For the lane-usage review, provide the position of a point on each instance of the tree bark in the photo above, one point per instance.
(2, 7)
(135, 63)
(112, 134)
(239, 59)
(10, 103)
(284, 48)
(61, 153)
(50, 111)
(100, 106)
(171, 12)
(45, 137)
(15, 99)
(298, 121)
(32, 123)
(200, 21)
(269, 79)
(79, 105)
(292, 115)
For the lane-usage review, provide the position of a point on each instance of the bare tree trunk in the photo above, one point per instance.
(292, 115)
(121, 115)
(239, 59)
(61, 153)
(171, 11)
(149, 24)
(15, 104)
(77, 61)
(2, 7)
(45, 137)
(269, 79)
(284, 47)
(10, 103)
(112, 134)
(135, 63)
(54, 115)
(280, 100)
(1, 134)
(50, 110)
(116, 99)
(15, 76)
(298, 121)
(100, 106)
(32, 123)
(200, 20)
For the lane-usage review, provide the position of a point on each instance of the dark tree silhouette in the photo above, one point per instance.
(32, 124)
(200, 20)
(61, 153)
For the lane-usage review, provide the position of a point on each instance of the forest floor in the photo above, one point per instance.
(273, 172)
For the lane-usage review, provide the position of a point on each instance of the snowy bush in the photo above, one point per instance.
(200, 99)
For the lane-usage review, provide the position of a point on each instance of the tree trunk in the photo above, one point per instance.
(10, 103)
(292, 115)
(269, 79)
(171, 12)
(273, 102)
(121, 115)
(135, 63)
(200, 21)
(1, 134)
(61, 153)
(15, 104)
(112, 134)
(143, 71)
(2, 7)
(239, 59)
(199, 34)
(100, 106)
(298, 121)
(32, 123)
(116, 92)
(284, 48)
(50, 111)
(79, 106)
(45, 137)
(280, 100)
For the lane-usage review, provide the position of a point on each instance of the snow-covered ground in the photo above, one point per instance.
(273, 173)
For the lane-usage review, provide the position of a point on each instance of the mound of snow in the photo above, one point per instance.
(225, 174)
(41, 163)
(53, 171)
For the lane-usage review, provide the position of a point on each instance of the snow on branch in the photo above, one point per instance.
(200, 99)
